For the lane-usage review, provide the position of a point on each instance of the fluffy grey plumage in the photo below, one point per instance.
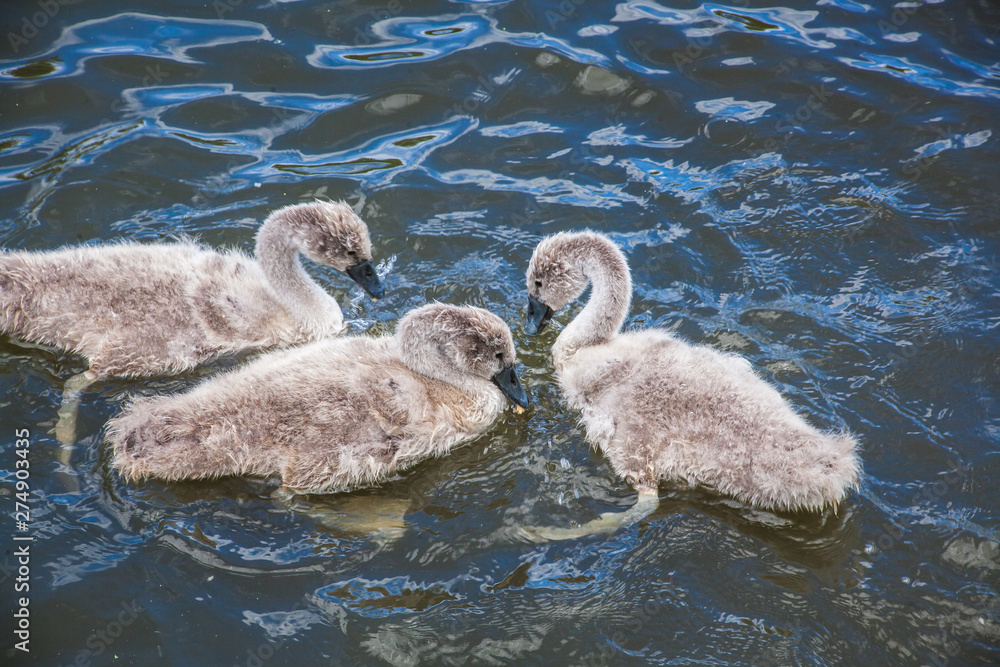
(136, 310)
(661, 408)
(332, 415)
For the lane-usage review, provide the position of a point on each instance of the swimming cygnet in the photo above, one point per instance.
(332, 415)
(660, 408)
(144, 309)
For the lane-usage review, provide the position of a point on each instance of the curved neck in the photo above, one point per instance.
(602, 318)
(419, 356)
(278, 257)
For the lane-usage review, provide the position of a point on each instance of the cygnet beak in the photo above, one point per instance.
(511, 387)
(538, 316)
(364, 275)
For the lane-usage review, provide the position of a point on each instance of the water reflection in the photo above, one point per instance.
(809, 185)
(438, 39)
(128, 33)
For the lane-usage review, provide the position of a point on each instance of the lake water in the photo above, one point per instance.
(813, 185)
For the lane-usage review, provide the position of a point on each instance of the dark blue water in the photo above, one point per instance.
(814, 186)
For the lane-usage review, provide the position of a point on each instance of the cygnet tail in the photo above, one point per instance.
(152, 443)
(820, 477)
(606, 524)
(846, 469)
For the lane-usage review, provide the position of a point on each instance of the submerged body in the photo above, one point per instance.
(136, 310)
(663, 409)
(332, 415)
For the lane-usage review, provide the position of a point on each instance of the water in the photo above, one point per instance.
(811, 185)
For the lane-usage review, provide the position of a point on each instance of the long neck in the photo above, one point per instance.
(308, 304)
(472, 385)
(611, 293)
(421, 353)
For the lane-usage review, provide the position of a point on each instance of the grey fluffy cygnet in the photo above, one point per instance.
(136, 310)
(660, 408)
(333, 415)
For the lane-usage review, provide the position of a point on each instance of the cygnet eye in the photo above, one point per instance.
(538, 283)
(500, 356)
(352, 253)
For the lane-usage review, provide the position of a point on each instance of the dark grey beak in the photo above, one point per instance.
(538, 315)
(511, 387)
(364, 275)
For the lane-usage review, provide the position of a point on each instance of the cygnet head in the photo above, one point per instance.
(331, 233)
(555, 274)
(440, 341)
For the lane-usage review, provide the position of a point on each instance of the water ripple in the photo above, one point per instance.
(521, 129)
(390, 596)
(921, 75)
(777, 22)
(808, 185)
(407, 40)
(128, 33)
(378, 159)
(75, 152)
(543, 189)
